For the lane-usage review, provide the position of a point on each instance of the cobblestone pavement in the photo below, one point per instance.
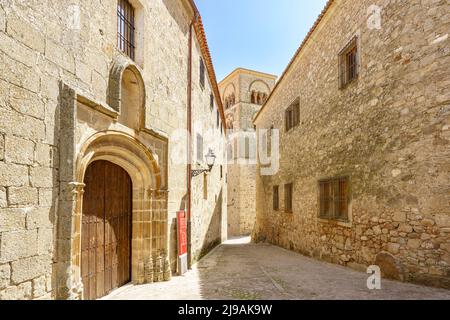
(238, 270)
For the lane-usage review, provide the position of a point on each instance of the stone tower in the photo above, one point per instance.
(243, 93)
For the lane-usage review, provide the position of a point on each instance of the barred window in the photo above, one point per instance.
(334, 198)
(276, 198)
(292, 116)
(126, 28)
(348, 64)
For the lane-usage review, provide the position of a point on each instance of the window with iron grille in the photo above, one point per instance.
(334, 198)
(202, 73)
(292, 116)
(126, 28)
(276, 198)
(288, 197)
(348, 63)
(199, 148)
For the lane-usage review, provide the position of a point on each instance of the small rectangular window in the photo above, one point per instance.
(348, 64)
(292, 116)
(276, 198)
(211, 102)
(126, 28)
(199, 148)
(288, 193)
(269, 141)
(334, 198)
(202, 73)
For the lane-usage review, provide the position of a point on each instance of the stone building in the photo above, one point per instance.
(96, 103)
(243, 92)
(363, 113)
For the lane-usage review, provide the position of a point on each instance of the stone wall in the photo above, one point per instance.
(43, 44)
(209, 191)
(388, 131)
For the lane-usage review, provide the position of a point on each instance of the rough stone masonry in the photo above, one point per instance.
(388, 131)
(69, 96)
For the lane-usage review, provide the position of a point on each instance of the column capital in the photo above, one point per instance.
(77, 187)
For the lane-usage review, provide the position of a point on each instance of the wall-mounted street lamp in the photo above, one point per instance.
(210, 160)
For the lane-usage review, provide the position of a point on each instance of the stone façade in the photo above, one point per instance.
(388, 131)
(60, 80)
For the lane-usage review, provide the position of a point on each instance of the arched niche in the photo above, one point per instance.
(126, 92)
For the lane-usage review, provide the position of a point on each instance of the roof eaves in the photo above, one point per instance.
(297, 53)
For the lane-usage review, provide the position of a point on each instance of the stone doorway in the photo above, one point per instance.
(106, 229)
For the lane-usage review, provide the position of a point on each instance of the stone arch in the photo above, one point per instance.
(258, 92)
(229, 95)
(149, 261)
(259, 86)
(126, 89)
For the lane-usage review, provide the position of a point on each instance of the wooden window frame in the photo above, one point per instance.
(292, 116)
(289, 198)
(276, 198)
(335, 198)
(126, 28)
(349, 64)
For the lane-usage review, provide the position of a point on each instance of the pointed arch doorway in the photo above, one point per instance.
(106, 229)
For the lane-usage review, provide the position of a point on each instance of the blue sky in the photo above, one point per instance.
(256, 34)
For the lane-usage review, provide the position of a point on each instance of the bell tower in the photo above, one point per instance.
(243, 93)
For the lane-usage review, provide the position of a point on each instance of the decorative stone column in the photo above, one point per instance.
(76, 289)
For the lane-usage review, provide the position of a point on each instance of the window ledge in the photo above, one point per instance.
(341, 223)
(349, 84)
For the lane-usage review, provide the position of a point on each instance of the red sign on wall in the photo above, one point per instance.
(182, 233)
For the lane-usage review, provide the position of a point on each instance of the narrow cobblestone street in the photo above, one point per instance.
(239, 270)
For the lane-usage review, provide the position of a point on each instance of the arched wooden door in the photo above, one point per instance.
(106, 229)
